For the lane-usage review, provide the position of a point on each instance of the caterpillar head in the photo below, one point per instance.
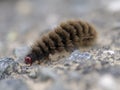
(28, 60)
(31, 58)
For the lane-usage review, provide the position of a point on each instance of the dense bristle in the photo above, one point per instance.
(59, 46)
(67, 36)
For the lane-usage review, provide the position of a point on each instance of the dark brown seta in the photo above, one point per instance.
(67, 36)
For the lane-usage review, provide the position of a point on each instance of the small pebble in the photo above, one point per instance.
(109, 52)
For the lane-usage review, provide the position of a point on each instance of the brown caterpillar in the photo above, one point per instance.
(67, 36)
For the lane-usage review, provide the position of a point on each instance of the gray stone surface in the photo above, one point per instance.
(13, 84)
(43, 74)
(7, 66)
(22, 21)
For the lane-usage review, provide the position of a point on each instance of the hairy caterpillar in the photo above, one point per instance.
(67, 36)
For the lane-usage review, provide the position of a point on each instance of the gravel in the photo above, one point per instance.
(7, 66)
(95, 68)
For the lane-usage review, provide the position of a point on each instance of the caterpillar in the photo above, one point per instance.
(67, 36)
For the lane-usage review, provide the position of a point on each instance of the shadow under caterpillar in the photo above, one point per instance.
(67, 36)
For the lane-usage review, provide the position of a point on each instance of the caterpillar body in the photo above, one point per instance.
(67, 36)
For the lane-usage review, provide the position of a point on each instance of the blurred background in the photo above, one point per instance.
(21, 21)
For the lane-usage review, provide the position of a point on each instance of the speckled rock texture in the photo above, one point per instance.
(94, 68)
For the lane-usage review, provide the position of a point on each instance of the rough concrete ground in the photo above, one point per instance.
(19, 20)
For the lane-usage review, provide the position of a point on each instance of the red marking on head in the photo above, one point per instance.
(28, 60)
